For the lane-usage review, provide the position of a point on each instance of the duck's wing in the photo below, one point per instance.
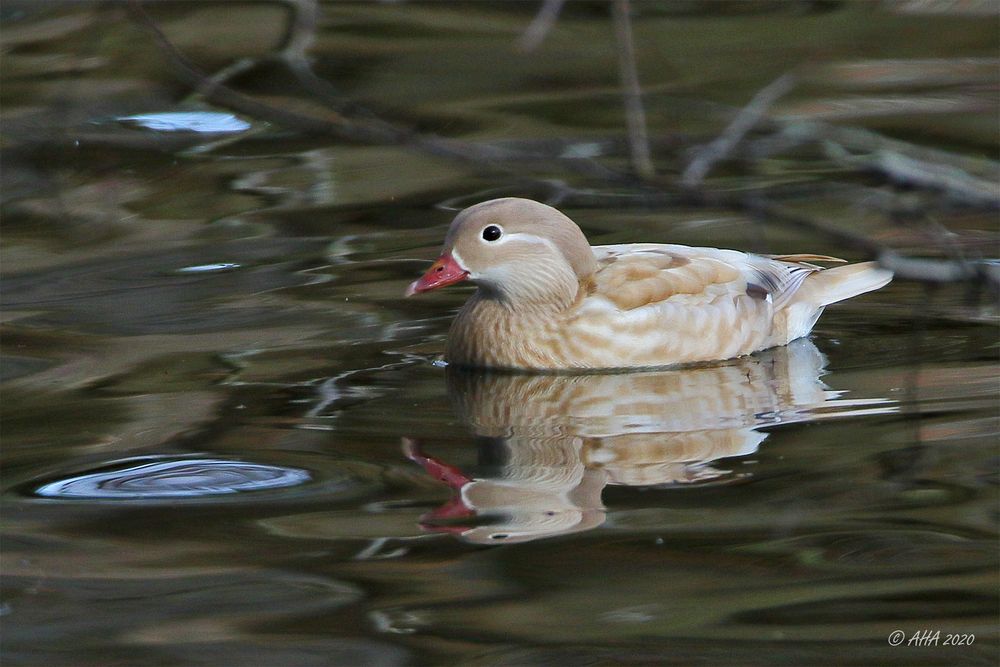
(638, 276)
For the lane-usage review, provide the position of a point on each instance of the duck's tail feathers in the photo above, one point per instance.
(843, 282)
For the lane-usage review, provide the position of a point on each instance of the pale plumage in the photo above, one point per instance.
(547, 300)
(550, 443)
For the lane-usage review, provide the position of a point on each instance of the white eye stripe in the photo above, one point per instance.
(530, 238)
(507, 236)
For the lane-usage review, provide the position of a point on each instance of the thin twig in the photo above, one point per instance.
(301, 29)
(935, 270)
(635, 115)
(745, 120)
(541, 25)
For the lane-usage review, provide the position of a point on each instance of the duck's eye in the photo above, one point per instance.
(492, 233)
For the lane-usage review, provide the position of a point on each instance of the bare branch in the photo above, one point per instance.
(972, 181)
(301, 29)
(933, 270)
(745, 120)
(969, 180)
(336, 123)
(635, 115)
(541, 25)
(912, 171)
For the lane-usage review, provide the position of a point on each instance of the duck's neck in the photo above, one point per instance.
(491, 331)
(545, 288)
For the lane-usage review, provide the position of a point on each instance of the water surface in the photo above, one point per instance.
(226, 440)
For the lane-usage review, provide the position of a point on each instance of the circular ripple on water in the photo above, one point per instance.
(175, 478)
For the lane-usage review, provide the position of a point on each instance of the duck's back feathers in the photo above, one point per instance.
(636, 275)
(659, 304)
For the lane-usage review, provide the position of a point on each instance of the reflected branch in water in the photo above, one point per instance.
(558, 440)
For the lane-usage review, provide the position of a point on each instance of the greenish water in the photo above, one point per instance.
(225, 433)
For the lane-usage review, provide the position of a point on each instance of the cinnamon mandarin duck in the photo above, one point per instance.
(547, 300)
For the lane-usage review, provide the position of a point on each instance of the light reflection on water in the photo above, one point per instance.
(205, 122)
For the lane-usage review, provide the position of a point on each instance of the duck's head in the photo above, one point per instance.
(516, 250)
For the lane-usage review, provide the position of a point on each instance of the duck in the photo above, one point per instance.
(546, 300)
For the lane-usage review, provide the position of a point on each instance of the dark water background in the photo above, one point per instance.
(223, 426)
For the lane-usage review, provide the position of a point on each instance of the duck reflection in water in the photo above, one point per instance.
(549, 444)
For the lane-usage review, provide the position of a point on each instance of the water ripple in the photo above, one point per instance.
(175, 478)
